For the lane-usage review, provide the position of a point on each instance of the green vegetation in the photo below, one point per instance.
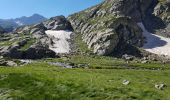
(41, 81)
(82, 46)
(28, 44)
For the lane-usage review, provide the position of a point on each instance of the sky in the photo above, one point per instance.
(47, 8)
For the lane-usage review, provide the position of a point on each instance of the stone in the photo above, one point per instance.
(83, 65)
(144, 61)
(160, 86)
(126, 82)
(11, 64)
(11, 51)
(127, 57)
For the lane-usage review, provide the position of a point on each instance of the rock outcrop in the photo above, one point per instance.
(58, 23)
(157, 19)
(110, 26)
(31, 42)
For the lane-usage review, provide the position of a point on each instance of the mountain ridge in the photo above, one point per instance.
(10, 24)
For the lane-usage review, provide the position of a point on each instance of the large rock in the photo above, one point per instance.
(11, 51)
(58, 23)
(39, 51)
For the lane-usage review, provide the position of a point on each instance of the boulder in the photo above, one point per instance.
(11, 63)
(11, 51)
(4, 62)
(160, 86)
(58, 23)
(127, 57)
(38, 51)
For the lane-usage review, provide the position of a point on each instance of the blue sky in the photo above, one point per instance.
(47, 8)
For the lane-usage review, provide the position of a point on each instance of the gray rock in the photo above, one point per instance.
(39, 51)
(4, 62)
(11, 63)
(58, 23)
(160, 86)
(144, 61)
(127, 57)
(83, 65)
(11, 51)
(22, 42)
(126, 82)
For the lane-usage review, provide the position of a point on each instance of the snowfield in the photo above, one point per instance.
(154, 43)
(60, 41)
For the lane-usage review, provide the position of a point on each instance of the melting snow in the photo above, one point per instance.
(60, 40)
(155, 43)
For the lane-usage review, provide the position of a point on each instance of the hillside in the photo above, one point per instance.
(116, 50)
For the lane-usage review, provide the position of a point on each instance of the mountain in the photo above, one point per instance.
(112, 28)
(10, 24)
(117, 26)
(116, 50)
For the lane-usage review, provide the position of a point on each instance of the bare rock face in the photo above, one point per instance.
(162, 10)
(58, 23)
(38, 52)
(110, 26)
(157, 19)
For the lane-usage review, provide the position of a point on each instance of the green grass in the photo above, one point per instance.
(82, 46)
(103, 62)
(41, 81)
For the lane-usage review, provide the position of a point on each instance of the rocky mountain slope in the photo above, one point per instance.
(35, 41)
(10, 24)
(157, 18)
(113, 28)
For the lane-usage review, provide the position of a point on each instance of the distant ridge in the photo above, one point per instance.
(10, 24)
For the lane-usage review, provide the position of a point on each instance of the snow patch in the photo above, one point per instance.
(154, 43)
(60, 41)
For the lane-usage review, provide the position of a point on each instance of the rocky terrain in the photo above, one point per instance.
(111, 28)
(116, 50)
(32, 42)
